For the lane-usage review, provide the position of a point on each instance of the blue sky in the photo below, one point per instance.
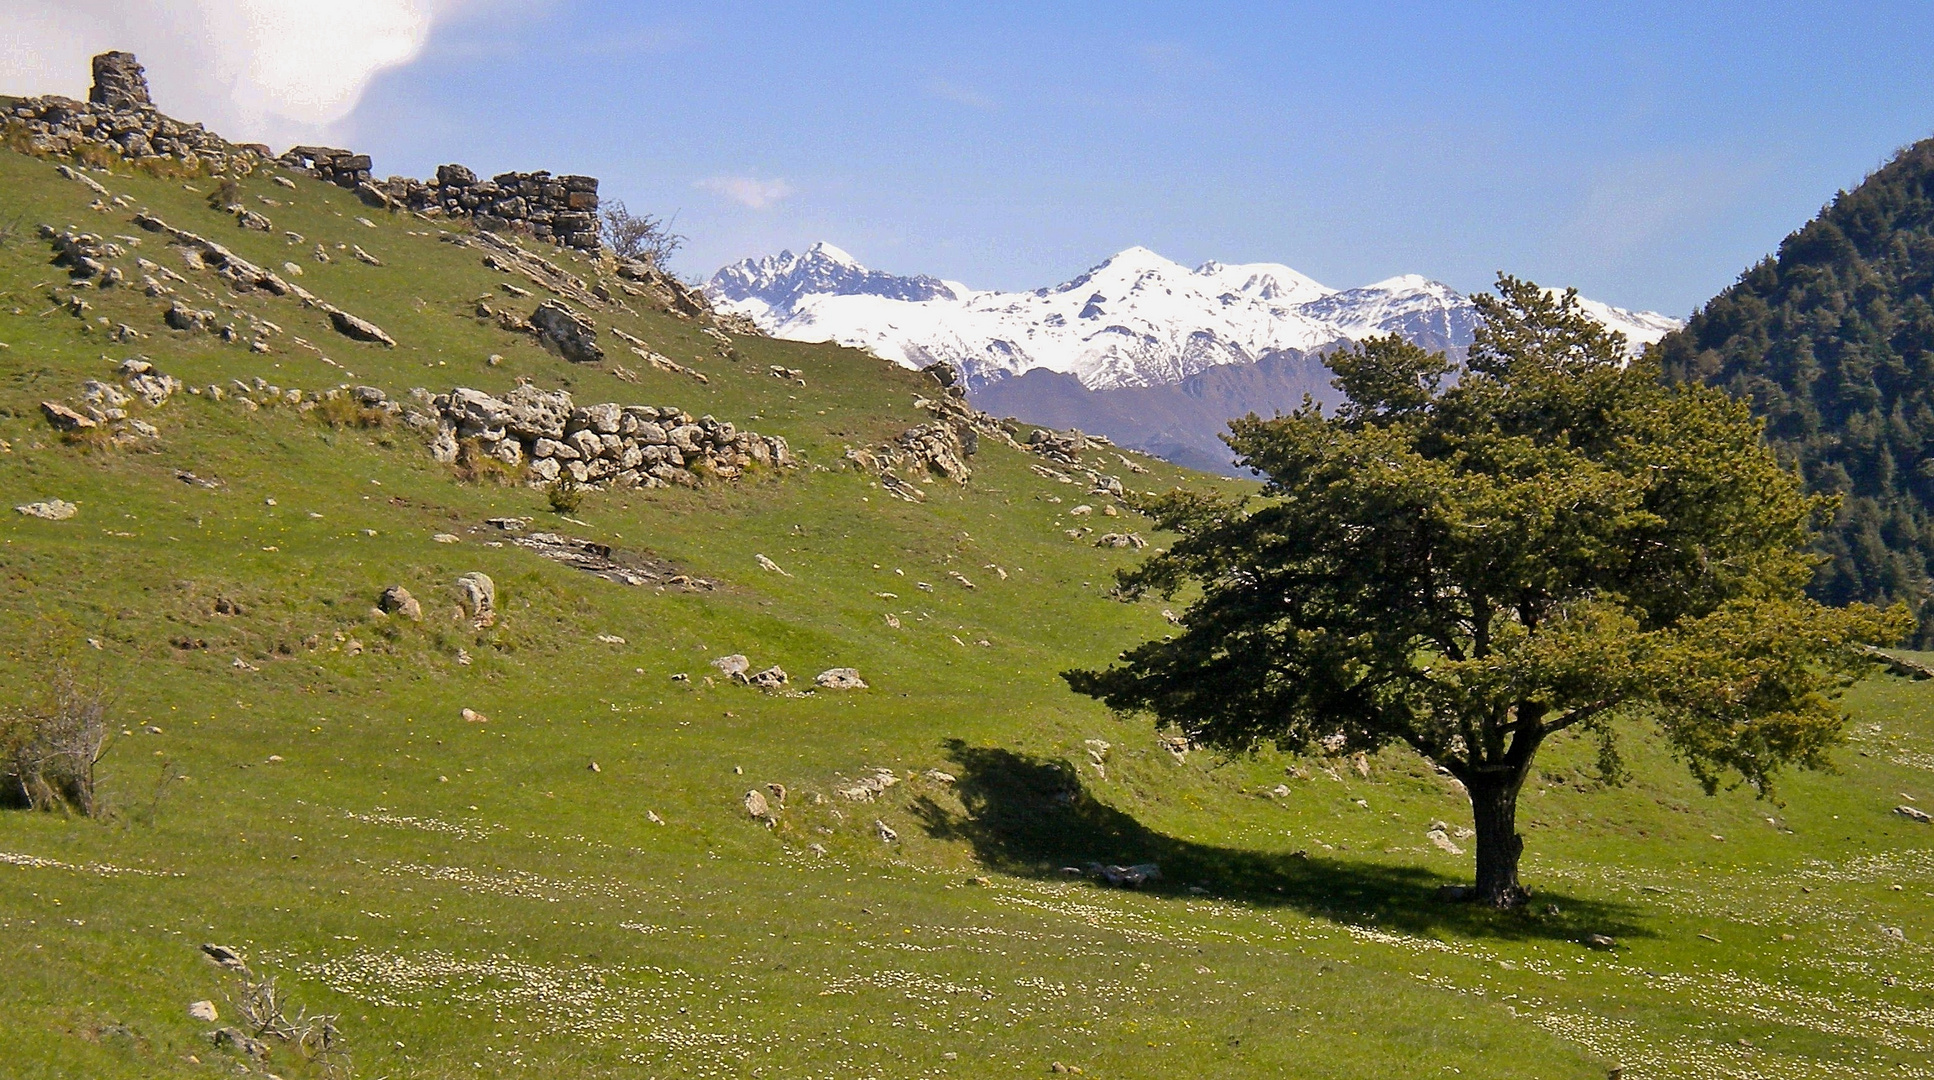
(1645, 153)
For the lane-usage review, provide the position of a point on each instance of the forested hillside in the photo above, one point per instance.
(1833, 341)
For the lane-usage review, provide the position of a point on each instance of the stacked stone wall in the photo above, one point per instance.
(560, 209)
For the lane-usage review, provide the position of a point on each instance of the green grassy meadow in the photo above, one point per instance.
(574, 888)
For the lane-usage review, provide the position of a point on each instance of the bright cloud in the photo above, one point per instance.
(251, 69)
(748, 191)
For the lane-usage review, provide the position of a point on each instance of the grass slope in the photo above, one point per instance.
(477, 900)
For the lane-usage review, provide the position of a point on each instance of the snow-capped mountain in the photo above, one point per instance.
(1137, 319)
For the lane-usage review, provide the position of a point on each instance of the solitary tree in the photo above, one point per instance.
(1472, 561)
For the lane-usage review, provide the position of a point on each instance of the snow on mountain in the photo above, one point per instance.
(1136, 319)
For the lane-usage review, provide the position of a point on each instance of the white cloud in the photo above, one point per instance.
(264, 70)
(748, 191)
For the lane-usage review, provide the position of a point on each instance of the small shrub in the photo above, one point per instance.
(476, 467)
(343, 411)
(167, 168)
(95, 155)
(49, 748)
(227, 193)
(564, 494)
(638, 236)
(94, 440)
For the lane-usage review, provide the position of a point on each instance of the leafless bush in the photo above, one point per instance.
(264, 1009)
(643, 237)
(49, 748)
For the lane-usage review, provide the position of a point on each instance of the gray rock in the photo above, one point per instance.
(119, 83)
(396, 600)
(571, 334)
(840, 678)
(1914, 813)
(64, 418)
(49, 510)
(350, 326)
(734, 666)
(887, 835)
(756, 805)
(228, 1037)
(479, 595)
(770, 679)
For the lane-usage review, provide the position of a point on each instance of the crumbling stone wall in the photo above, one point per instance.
(119, 115)
(560, 209)
(119, 83)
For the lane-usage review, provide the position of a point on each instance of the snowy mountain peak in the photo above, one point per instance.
(827, 252)
(1134, 319)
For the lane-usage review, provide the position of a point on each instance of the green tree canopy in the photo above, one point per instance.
(1556, 539)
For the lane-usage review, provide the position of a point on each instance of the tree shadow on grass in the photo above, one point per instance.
(1031, 817)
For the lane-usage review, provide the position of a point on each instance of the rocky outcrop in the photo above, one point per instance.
(551, 437)
(937, 449)
(119, 117)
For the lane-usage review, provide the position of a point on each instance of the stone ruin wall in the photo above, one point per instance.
(560, 209)
(119, 115)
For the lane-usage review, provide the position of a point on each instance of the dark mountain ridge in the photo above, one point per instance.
(1832, 341)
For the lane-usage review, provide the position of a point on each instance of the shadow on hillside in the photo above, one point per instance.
(1031, 816)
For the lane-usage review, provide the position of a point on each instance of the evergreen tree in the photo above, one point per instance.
(1832, 343)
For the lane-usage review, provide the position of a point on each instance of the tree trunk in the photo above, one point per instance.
(1494, 814)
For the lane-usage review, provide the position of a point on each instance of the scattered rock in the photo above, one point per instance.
(225, 956)
(63, 418)
(472, 716)
(230, 1038)
(350, 326)
(1128, 877)
(1601, 941)
(840, 678)
(204, 1011)
(771, 678)
(567, 332)
(49, 510)
(887, 835)
(768, 564)
(447, 538)
(1912, 813)
(479, 595)
(869, 787)
(756, 805)
(396, 600)
(733, 667)
(1442, 840)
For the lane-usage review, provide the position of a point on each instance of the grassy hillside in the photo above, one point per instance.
(574, 887)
